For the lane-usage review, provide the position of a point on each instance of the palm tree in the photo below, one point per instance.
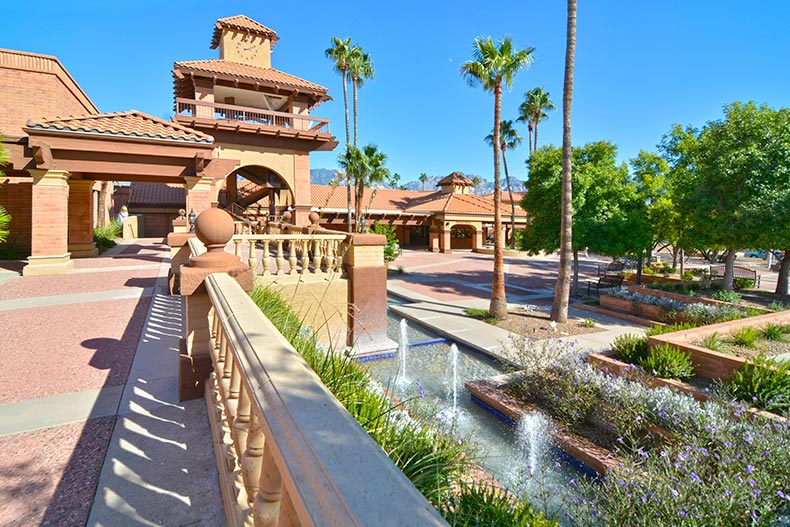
(492, 67)
(339, 53)
(559, 308)
(364, 165)
(508, 138)
(360, 69)
(476, 182)
(423, 180)
(532, 111)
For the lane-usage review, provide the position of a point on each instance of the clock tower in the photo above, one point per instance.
(243, 40)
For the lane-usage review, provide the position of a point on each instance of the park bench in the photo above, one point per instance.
(610, 281)
(717, 271)
(612, 268)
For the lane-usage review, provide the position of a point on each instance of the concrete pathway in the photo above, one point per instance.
(439, 287)
(90, 424)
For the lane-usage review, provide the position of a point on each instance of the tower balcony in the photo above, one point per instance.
(212, 116)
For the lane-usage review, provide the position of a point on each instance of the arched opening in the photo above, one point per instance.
(256, 193)
(462, 237)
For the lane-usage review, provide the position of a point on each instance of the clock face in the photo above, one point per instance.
(246, 48)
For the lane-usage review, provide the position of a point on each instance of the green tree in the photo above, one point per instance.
(476, 183)
(360, 69)
(339, 53)
(508, 138)
(532, 111)
(733, 180)
(610, 215)
(423, 180)
(562, 291)
(392, 247)
(394, 180)
(365, 165)
(494, 66)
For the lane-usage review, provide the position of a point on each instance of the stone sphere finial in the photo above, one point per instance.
(313, 217)
(214, 227)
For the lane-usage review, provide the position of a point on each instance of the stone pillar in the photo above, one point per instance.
(367, 295)
(213, 227)
(199, 193)
(433, 239)
(81, 220)
(446, 241)
(301, 189)
(49, 224)
(477, 241)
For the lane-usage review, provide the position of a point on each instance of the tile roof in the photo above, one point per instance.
(235, 70)
(456, 178)
(169, 194)
(125, 124)
(243, 23)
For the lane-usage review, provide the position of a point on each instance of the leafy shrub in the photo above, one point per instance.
(479, 504)
(5, 220)
(105, 235)
(12, 251)
(713, 342)
(778, 306)
(763, 382)
(391, 248)
(630, 348)
(668, 362)
(687, 275)
(589, 323)
(772, 331)
(671, 328)
(726, 296)
(481, 314)
(700, 314)
(743, 283)
(745, 336)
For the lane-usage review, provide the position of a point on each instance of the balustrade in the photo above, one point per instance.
(256, 116)
(288, 452)
(293, 254)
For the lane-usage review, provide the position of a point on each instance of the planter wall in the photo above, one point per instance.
(628, 306)
(711, 364)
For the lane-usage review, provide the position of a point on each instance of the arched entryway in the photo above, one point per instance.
(258, 192)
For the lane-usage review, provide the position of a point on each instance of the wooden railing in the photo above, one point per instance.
(288, 452)
(294, 254)
(230, 112)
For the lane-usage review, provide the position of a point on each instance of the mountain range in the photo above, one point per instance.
(323, 176)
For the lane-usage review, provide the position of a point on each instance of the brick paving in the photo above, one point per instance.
(67, 339)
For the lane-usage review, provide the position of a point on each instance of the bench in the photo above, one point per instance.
(611, 268)
(607, 281)
(717, 271)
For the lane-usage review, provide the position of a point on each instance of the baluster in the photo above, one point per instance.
(220, 354)
(227, 369)
(232, 402)
(330, 255)
(317, 256)
(252, 459)
(237, 241)
(280, 258)
(241, 425)
(265, 258)
(252, 261)
(305, 256)
(266, 507)
(292, 246)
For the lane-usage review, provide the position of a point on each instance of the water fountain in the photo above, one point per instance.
(403, 347)
(454, 354)
(532, 438)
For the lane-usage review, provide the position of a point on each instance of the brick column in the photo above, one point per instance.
(367, 295)
(213, 227)
(81, 244)
(199, 193)
(446, 240)
(477, 241)
(49, 224)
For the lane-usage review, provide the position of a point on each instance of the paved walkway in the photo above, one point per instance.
(91, 429)
(439, 287)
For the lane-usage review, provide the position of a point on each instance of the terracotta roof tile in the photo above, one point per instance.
(456, 178)
(168, 194)
(242, 23)
(126, 124)
(269, 76)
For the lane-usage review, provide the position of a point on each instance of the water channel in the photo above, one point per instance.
(520, 457)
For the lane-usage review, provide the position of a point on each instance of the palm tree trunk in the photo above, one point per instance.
(783, 280)
(348, 142)
(559, 308)
(358, 217)
(529, 143)
(498, 307)
(512, 203)
(535, 147)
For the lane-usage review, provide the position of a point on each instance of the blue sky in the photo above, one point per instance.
(640, 65)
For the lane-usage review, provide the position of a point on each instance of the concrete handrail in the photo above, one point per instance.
(303, 458)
